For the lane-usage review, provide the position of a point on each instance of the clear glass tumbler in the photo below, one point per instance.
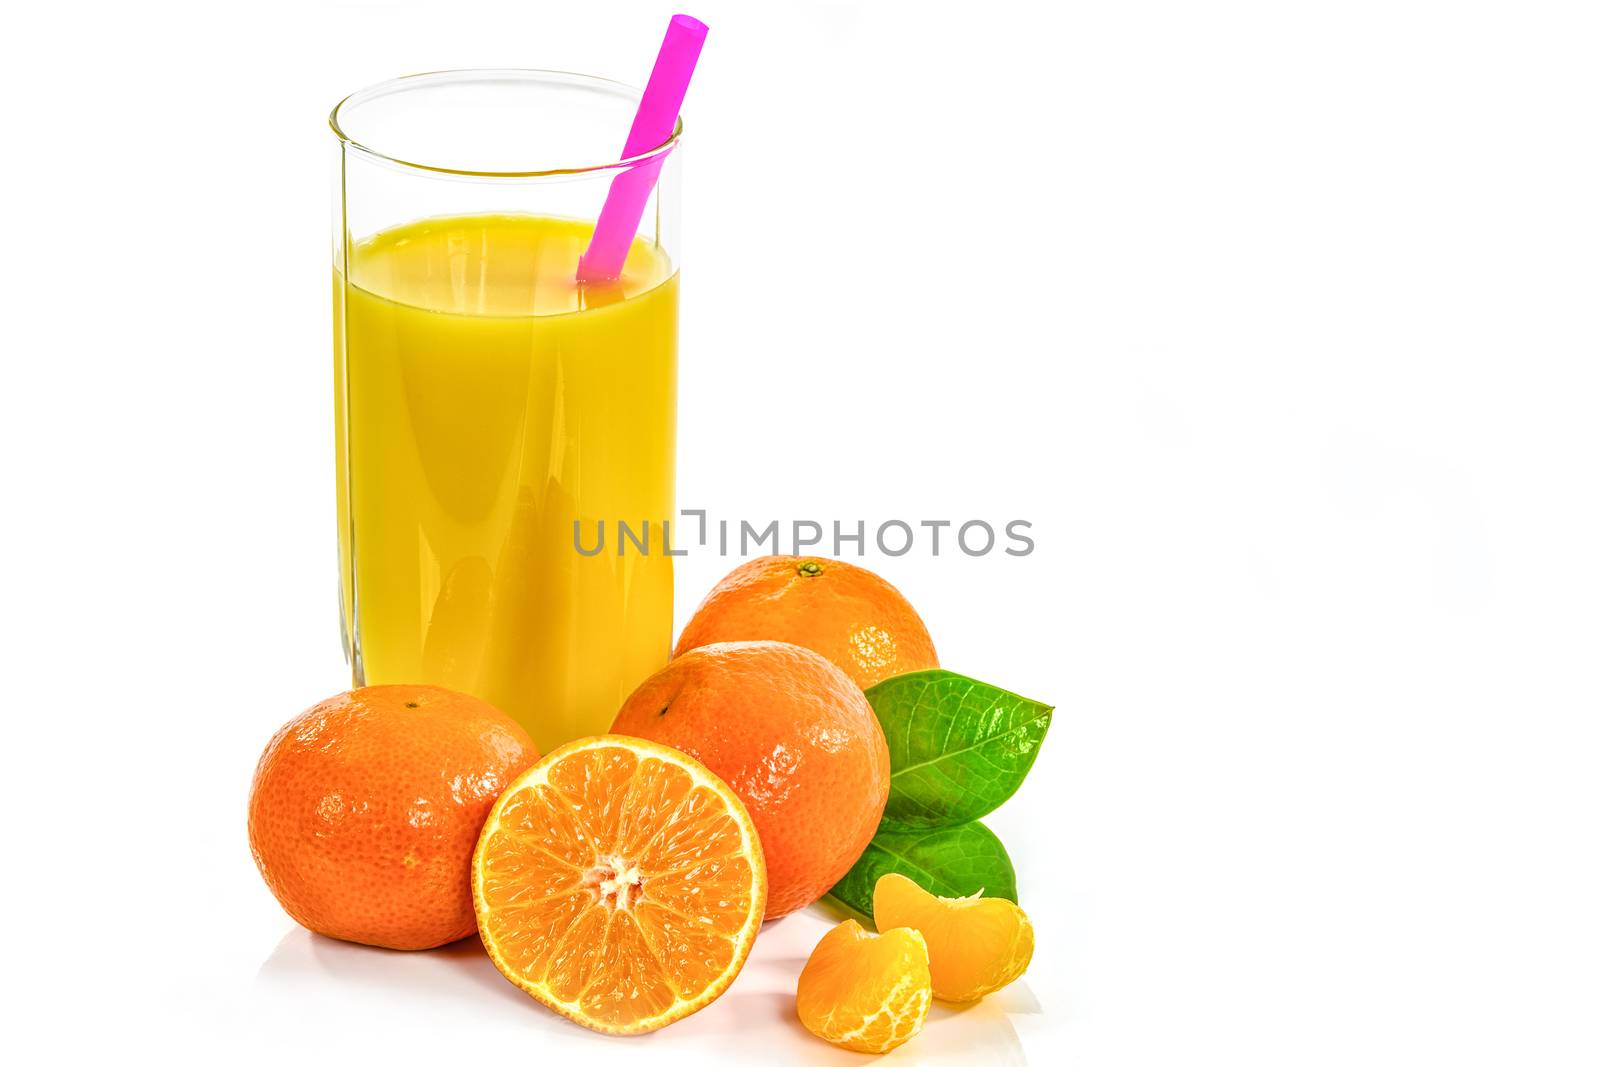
(489, 406)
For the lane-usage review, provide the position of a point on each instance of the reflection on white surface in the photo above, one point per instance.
(325, 992)
(455, 973)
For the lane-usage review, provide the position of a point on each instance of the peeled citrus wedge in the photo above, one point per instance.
(867, 992)
(975, 944)
(620, 883)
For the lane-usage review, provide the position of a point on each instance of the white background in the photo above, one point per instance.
(1277, 320)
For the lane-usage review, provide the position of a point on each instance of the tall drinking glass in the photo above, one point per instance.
(486, 402)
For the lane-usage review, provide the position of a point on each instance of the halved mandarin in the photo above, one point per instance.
(863, 991)
(976, 944)
(620, 883)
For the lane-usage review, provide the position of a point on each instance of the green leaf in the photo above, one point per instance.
(956, 861)
(957, 748)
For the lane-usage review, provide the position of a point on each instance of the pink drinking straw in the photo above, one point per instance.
(652, 125)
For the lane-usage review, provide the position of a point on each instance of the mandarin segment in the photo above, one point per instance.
(658, 792)
(700, 826)
(585, 783)
(570, 968)
(620, 883)
(863, 991)
(713, 888)
(690, 954)
(543, 822)
(540, 875)
(976, 945)
(630, 981)
(535, 932)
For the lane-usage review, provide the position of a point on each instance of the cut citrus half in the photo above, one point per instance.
(863, 991)
(976, 944)
(620, 883)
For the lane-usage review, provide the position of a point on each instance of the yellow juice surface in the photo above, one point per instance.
(484, 402)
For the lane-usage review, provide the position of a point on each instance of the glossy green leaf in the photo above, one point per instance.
(956, 861)
(958, 748)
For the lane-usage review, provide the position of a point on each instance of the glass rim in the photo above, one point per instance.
(408, 81)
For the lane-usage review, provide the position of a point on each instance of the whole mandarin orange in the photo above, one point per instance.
(793, 736)
(365, 810)
(847, 613)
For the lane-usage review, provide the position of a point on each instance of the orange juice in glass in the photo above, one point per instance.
(487, 403)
